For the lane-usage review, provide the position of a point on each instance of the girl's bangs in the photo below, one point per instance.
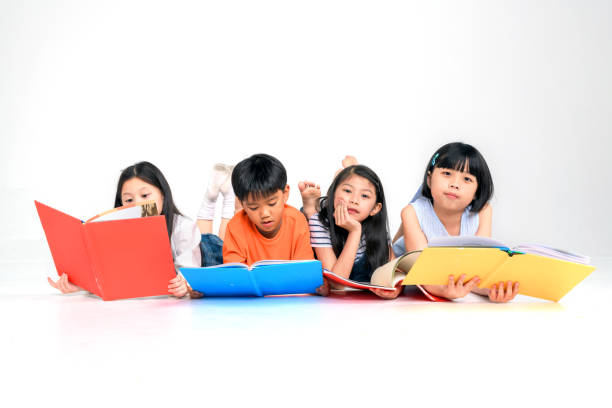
(457, 162)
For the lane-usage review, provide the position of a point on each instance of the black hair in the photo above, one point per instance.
(258, 176)
(375, 228)
(462, 157)
(150, 174)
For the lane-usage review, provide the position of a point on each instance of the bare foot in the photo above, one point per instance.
(310, 194)
(346, 162)
(349, 161)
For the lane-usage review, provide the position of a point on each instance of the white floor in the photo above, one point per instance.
(77, 350)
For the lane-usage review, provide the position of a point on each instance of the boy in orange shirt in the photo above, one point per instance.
(266, 228)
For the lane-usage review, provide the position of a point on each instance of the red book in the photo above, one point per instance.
(116, 259)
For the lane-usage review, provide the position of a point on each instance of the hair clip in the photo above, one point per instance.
(433, 161)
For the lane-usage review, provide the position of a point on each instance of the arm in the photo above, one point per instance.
(321, 243)
(186, 244)
(232, 252)
(186, 253)
(343, 264)
(415, 240)
(484, 221)
(399, 233)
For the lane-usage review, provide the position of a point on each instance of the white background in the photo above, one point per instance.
(88, 88)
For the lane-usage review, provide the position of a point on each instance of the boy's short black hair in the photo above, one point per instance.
(455, 156)
(258, 177)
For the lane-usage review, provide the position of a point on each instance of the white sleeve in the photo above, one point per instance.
(185, 243)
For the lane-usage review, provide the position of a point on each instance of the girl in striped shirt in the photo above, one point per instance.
(350, 233)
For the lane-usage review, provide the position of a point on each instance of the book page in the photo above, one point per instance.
(146, 209)
(543, 250)
(348, 283)
(466, 241)
(389, 274)
(225, 266)
(276, 262)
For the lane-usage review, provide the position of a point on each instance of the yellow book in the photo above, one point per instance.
(544, 273)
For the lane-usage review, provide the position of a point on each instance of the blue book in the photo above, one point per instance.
(263, 278)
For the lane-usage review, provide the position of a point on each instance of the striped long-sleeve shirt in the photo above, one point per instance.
(320, 237)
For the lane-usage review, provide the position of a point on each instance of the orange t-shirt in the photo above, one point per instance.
(244, 243)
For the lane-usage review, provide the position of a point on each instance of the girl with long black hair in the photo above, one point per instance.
(350, 233)
(143, 181)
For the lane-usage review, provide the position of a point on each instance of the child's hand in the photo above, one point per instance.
(499, 295)
(343, 219)
(194, 294)
(63, 285)
(323, 290)
(178, 286)
(454, 290)
(388, 294)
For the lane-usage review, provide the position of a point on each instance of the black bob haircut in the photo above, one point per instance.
(462, 157)
(258, 176)
(150, 174)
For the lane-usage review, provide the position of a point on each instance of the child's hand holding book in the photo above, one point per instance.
(455, 289)
(178, 286)
(388, 294)
(500, 294)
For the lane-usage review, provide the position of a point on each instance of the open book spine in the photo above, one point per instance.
(256, 289)
(490, 278)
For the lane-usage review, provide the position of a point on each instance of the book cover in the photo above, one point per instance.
(263, 278)
(385, 277)
(539, 276)
(114, 259)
